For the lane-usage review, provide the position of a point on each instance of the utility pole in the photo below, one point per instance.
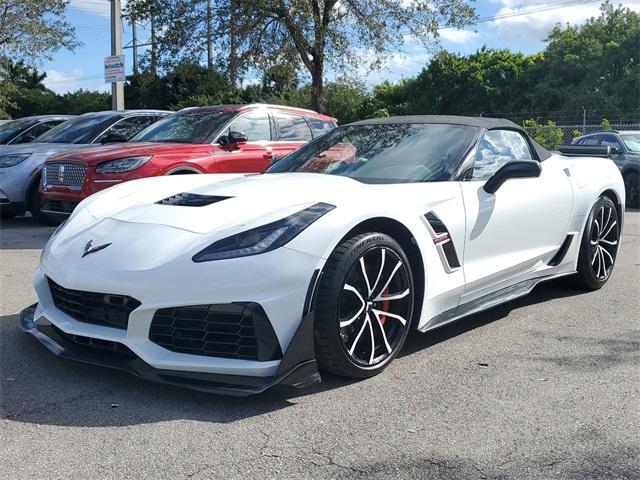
(154, 53)
(233, 53)
(209, 31)
(117, 88)
(135, 45)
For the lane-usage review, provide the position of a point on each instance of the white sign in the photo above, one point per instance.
(114, 69)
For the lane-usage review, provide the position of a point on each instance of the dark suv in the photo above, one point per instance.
(625, 152)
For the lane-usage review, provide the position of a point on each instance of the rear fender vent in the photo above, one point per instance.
(191, 200)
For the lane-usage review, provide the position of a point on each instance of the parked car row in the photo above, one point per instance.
(71, 161)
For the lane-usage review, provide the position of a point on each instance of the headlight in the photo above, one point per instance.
(122, 164)
(265, 238)
(11, 160)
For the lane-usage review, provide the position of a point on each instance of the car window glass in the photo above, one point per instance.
(35, 131)
(393, 153)
(595, 140)
(188, 126)
(255, 125)
(128, 127)
(610, 140)
(631, 141)
(10, 129)
(293, 128)
(320, 127)
(78, 130)
(496, 148)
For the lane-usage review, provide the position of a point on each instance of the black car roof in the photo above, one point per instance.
(124, 113)
(482, 122)
(479, 122)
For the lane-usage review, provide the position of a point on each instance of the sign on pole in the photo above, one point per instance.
(114, 69)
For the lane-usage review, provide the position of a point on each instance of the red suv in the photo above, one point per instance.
(217, 139)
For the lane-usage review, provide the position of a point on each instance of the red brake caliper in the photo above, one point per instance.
(385, 306)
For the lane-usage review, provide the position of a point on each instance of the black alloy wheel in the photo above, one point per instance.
(364, 307)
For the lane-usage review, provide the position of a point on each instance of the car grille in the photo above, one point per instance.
(64, 174)
(58, 206)
(97, 344)
(95, 308)
(211, 330)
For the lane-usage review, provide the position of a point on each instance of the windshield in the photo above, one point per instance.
(11, 129)
(631, 141)
(387, 153)
(78, 130)
(187, 127)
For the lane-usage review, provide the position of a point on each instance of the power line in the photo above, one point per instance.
(530, 11)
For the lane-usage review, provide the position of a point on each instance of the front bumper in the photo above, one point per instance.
(297, 368)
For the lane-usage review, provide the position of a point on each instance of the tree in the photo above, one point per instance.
(22, 75)
(487, 81)
(549, 135)
(596, 64)
(187, 30)
(343, 34)
(34, 29)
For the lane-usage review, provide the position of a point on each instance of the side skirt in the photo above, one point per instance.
(488, 301)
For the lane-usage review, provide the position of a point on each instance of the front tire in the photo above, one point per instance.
(35, 203)
(599, 246)
(364, 306)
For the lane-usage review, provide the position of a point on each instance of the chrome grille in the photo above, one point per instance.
(59, 174)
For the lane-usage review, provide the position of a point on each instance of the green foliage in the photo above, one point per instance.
(606, 125)
(595, 64)
(486, 81)
(34, 29)
(547, 135)
(576, 133)
(26, 102)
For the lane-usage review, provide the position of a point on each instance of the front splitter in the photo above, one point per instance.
(298, 367)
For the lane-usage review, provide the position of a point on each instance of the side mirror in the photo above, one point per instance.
(615, 151)
(514, 169)
(112, 138)
(237, 137)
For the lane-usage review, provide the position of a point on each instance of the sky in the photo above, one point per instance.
(514, 29)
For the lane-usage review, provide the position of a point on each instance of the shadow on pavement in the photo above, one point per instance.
(23, 233)
(38, 387)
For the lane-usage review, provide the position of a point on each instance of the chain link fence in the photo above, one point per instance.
(570, 131)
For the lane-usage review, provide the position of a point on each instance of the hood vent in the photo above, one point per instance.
(191, 200)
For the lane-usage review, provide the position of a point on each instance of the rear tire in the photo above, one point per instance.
(364, 306)
(632, 188)
(599, 246)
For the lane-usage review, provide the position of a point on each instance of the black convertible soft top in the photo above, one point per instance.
(480, 122)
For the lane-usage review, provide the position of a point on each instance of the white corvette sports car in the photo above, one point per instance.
(235, 283)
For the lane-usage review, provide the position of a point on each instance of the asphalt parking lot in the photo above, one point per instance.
(544, 387)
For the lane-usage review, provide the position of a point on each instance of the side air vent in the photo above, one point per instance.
(191, 200)
(443, 242)
(562, 251)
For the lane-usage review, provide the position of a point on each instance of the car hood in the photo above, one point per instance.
(46, 149)
(235, 199)
(121, 150)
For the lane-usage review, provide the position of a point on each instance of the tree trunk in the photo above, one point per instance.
(317, 89)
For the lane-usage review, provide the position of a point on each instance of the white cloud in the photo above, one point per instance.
(457, 36)
(94, 7)
(537, 25)
(62, 82)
